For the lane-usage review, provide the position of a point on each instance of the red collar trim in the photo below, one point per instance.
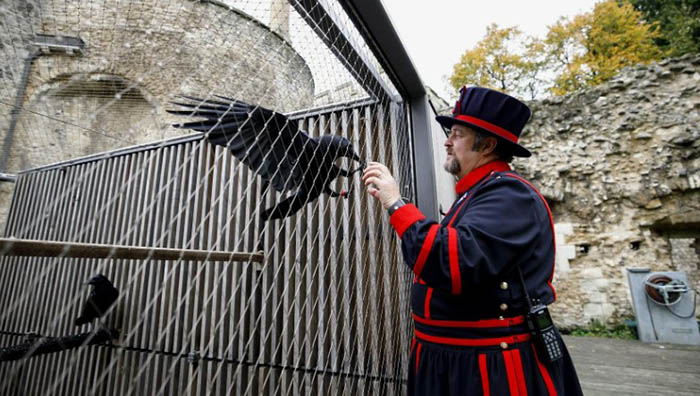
(477, 174)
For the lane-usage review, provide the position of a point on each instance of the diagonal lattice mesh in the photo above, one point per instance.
(83, 97)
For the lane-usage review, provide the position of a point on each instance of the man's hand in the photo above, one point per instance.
(381, 184)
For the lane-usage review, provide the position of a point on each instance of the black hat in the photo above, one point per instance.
(491, 111)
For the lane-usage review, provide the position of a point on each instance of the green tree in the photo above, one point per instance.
(504, 60)
(591, 48)
(679, 22)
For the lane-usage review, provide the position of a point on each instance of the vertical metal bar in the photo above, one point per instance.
(347, 262)
(403, 277)
(371, 277)
(136, 291)
(243, 277)
(174, 331)
(52, 189)
(127, 197)
(356, 272)
(311, 330)
(426, 198)
(356, 361)
(67, 281)
(162, 268)
(335, 291)
(99, 216)
(90, 196)
(233, 177)
(190, 267)
(194, 242)
(142, 269)
(165, 329)
(322, 268)
(390, 267)
(208, 189)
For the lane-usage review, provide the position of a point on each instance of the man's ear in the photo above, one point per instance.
(489, 145)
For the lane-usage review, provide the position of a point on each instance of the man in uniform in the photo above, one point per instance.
(482, 275)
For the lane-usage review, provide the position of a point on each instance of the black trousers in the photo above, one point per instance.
(516, 370)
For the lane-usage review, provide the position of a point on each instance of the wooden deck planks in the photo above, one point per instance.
(627, 367)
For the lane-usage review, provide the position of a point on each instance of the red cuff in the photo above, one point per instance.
(405, 217)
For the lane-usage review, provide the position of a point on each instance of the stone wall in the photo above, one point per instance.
(138, 56)
(620, 166)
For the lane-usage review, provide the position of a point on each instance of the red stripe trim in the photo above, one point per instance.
(454, 261)
(473, 341)
(404, 217)
(519, 375)
(545, 375)
(510, 373)
(493, 128)
(551, 224)
(457, 212)
(484, 375)
(418, 357)
(425, 249)
(485, 323)
(426, 307)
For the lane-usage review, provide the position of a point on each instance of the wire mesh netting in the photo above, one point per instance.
(313, 302)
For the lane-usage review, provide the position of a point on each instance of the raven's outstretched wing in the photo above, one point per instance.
(268, 142)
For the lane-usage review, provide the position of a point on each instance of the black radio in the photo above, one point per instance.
(544, 335)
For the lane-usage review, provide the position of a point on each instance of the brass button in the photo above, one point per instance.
(504, 306)
(504, 285)
(504, 345)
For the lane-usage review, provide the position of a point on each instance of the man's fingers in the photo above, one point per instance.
(376, 165)
(371, 173)
(371, 180)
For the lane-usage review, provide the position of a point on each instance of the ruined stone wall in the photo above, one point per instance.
(620, 166)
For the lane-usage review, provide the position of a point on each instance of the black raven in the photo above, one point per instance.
(272, 145)
(102, 296)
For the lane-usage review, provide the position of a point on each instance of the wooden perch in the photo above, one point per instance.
(44, 345)
(36, 248)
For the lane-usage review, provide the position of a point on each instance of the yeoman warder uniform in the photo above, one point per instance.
(468, 301)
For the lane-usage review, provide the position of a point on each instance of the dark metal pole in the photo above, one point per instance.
(44, 345)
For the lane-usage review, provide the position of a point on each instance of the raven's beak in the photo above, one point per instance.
(355, 157)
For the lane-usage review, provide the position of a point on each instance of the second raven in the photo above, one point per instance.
(101, 298)
(273, 146)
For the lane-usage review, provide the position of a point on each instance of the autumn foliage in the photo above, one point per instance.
(577, 52)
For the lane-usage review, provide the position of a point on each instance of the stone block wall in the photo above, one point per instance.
(619, 164)
(138, 56)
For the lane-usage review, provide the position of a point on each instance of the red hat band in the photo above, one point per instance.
(495, 129)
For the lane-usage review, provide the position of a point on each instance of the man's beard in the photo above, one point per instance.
(452, 166)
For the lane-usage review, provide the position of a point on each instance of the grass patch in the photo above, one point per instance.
(598, 329)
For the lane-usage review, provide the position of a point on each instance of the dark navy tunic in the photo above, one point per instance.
(467, 300)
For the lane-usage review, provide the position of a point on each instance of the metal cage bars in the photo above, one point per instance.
(330, 234)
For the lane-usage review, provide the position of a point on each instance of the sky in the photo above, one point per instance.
(436, 33)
